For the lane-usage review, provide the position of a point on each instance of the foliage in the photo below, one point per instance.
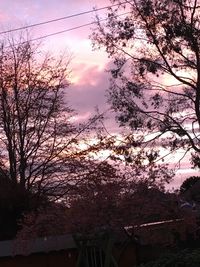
(41, 156)
(12, 205)
(106, 198)
(46, 221)
(189, 183)
(155, 88)
(186, 258)
(109, 198)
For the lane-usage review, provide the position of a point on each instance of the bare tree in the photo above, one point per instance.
(41, 159)
(36, 136)
(156, 75)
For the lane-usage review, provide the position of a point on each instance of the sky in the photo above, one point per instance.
(89, 77)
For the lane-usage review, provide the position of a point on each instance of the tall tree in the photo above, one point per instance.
(36, 136)
(155, 88)
(41, 158)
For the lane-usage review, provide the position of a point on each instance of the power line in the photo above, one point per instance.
(70, 29)
(59, 19)
(63, 31)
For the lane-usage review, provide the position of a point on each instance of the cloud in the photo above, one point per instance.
(20, 13)
(90, 92)
(90, 89)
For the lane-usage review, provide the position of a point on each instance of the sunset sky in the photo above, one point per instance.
(88, 67)
(89, 78)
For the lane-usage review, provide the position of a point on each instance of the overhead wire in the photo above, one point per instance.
(73, 28)
(67, 30)
(63, 31)
(61, 18)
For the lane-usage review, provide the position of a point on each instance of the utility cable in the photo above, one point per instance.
(59, 19)
(67, 30)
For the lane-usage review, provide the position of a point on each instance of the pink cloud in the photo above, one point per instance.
(88, 75)
(90, 90)
(89, 93)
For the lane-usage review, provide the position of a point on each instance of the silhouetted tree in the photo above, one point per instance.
(107, 198)
(36, 134)
(155, 88)
(111, 198)
(39, 154)
(189, 183)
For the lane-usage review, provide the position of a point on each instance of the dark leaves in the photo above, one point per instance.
(157, 100)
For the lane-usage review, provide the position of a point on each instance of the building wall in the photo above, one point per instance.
(154, 238)
(52, 259)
